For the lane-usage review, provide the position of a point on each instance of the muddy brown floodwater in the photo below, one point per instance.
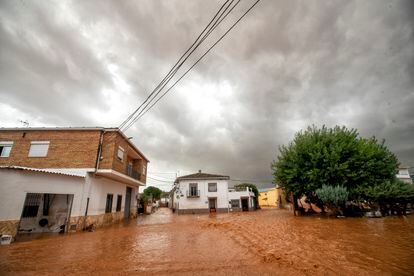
(263, 242)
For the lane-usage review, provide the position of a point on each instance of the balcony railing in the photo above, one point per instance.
(133, 173)
(193, 193)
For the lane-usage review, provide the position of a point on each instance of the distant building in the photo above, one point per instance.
(67, 179)
(272, 197)
(204, 193)
(404, 175)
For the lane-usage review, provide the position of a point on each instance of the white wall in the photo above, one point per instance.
(202, 201)
(99, 187)
(233, 194)
(15, 184)
(404, 176)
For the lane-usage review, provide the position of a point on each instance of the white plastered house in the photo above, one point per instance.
(204, 193)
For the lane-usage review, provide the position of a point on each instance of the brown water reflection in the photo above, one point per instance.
(266, 241)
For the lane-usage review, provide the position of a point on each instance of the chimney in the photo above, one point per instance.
(199, 171)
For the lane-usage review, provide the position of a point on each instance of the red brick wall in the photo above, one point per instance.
(71, 149)
(67, 148)
(111, 142)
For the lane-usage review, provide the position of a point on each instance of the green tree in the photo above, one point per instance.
(334, 157)
(254, 189)
(152, 191)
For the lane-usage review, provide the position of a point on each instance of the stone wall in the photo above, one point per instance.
(95, 221)
(9, 227)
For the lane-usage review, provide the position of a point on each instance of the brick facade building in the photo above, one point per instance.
(67, 179)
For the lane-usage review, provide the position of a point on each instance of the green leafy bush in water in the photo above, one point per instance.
(333, 197)
(391, 196)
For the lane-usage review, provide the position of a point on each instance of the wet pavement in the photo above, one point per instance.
(262, 242)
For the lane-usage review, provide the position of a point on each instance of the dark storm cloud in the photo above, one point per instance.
(44, 66)
(287, 65)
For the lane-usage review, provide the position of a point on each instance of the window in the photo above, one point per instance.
(193, 189)
(5, 148)
(212, 187)
(47, 201)
(119, 203)
(120, 154)
(38, 148)
(235, 203)
(108, 207)
(144, 170)
(31, 205)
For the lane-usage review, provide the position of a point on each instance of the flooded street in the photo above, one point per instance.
(266, 241)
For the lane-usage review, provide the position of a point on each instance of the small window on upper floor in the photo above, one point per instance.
(212, 187)
(5, 148)
(144, 170)
(39, 148)
(120, 154)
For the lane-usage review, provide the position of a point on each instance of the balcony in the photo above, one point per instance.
(133, 173)
(193, 193)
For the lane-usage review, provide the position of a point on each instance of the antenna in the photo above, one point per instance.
(25, 123)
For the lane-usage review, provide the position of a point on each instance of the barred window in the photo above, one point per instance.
(235, 203)
(31, 205)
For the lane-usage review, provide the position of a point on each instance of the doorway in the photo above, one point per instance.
(45, 213)
(245, 204)
(127, 202)
(212, 205)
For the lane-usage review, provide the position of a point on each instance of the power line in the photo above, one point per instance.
(186, 72)
(212, 28)
(218, 21)
(172, 181)
(179, 63)
(161, 179)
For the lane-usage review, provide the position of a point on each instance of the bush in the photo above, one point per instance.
(390, 196)
(333, 197)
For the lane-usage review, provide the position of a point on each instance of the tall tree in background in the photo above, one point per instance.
(332, 157)
(152, 191)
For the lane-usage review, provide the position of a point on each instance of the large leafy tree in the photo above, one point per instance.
(152, 191)
(333, 157)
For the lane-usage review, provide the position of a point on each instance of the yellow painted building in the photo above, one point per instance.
(272, 197)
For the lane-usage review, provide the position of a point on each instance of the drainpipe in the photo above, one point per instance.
(98, 159)
(98, 155)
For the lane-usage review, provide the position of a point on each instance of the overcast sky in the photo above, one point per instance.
(287, 65)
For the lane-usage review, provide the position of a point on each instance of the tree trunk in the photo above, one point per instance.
(294, 204)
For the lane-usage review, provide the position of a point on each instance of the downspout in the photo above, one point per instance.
(97, 161)
(99, 153)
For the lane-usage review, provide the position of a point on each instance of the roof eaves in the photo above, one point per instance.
(66, 172)
(49, 128)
